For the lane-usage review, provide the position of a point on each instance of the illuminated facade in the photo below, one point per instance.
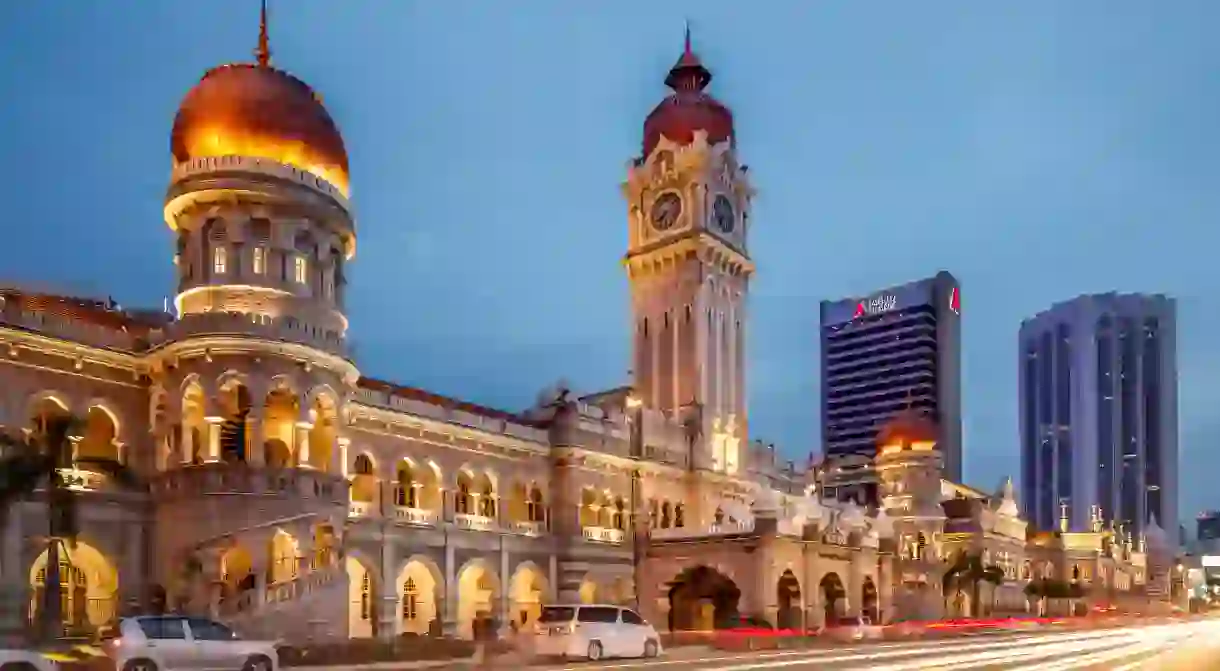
(894, 349)
(1099, 411)
(295, 497)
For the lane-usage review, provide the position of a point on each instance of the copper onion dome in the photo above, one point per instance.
(253, 109)
(907, 428)
(689, 108)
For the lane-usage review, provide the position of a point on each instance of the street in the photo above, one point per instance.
(1188, 645)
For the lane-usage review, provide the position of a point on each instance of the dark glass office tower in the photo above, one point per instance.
(892, 349)
(1099, 412)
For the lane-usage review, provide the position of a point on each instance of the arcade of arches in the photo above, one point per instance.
(98, 431)
(89, 586)
(702, 598)
(420, 597)
(272, 430)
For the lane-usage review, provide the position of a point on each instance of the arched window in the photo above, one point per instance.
(487, 502)
(665, 515)
(679, 522)
(463, 497)
(364, 465)
(535, 510)
(619, 519)
(405, 491)
(410, 600)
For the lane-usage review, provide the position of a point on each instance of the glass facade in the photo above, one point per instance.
(1098, 387)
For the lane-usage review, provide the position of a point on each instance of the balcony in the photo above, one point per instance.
(603, 535)
(416, 516)
(359, 509)
(525, 528)
(84, 481)
(473, 522)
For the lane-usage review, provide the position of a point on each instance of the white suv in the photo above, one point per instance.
(171, 642)
(594, 632)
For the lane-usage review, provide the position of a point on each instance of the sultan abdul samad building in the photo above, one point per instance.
(291, 494)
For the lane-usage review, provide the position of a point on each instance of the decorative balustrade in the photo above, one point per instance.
(416, 516)
(64, 326)
(724, 529)
(473, 522)
(359, 509)
(84, 480)
(527, 528)
(221, 478)
(603, 535)
(206, 166)
(286, 329)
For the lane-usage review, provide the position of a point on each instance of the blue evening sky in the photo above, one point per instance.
(1037, 149)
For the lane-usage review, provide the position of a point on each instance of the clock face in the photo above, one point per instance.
(723, 214)
(665, 211)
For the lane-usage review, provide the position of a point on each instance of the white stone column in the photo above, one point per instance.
(186, 443)
(302, 444)
(450, 609)
(387, 610)
(505, 584)
(212, 444)
(338, 457)
(256, 439)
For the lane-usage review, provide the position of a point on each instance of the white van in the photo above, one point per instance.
(594, 632)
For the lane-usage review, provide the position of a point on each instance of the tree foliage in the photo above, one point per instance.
(44, 460)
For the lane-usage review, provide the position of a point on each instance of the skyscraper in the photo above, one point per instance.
(1098, 412)
(894, 349)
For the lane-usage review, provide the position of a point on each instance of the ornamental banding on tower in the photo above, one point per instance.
(259, 201)
(688, 200)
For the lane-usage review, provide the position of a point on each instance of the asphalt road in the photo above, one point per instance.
(1194, 646)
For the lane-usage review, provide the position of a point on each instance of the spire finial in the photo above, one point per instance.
(686, 48)
(263, 53)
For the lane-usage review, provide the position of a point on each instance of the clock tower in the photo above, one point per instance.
(688, 201)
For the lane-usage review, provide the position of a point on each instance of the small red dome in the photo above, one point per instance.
(906, 428)
(689, 108)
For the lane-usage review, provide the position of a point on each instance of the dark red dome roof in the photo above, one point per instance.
(689, 108)
(253, 109)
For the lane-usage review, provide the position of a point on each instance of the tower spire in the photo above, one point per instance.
(263, 53)
(688, 74)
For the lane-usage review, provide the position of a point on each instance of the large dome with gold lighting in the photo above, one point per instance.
(255, 110)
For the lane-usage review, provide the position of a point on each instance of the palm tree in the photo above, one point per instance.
(44, 459)
(968, 570)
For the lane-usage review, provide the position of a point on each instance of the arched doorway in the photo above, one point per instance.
(194, 427)
(869, 605)
(284, 555)
(234, 404)
(281, 410)
(701, 599)
(89, 585)
(237, 572)
(364, 480)
(478, 588)
(362, 600)
(323, 436)
(834, 597)
(418, 590)
(100, 436)
(788, 598)
(527, 592)
(588, 591)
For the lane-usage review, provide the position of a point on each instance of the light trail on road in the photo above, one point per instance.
(1120, 649)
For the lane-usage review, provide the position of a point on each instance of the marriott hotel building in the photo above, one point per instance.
(892, 349)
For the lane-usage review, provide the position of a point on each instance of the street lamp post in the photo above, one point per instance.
(638, 531)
